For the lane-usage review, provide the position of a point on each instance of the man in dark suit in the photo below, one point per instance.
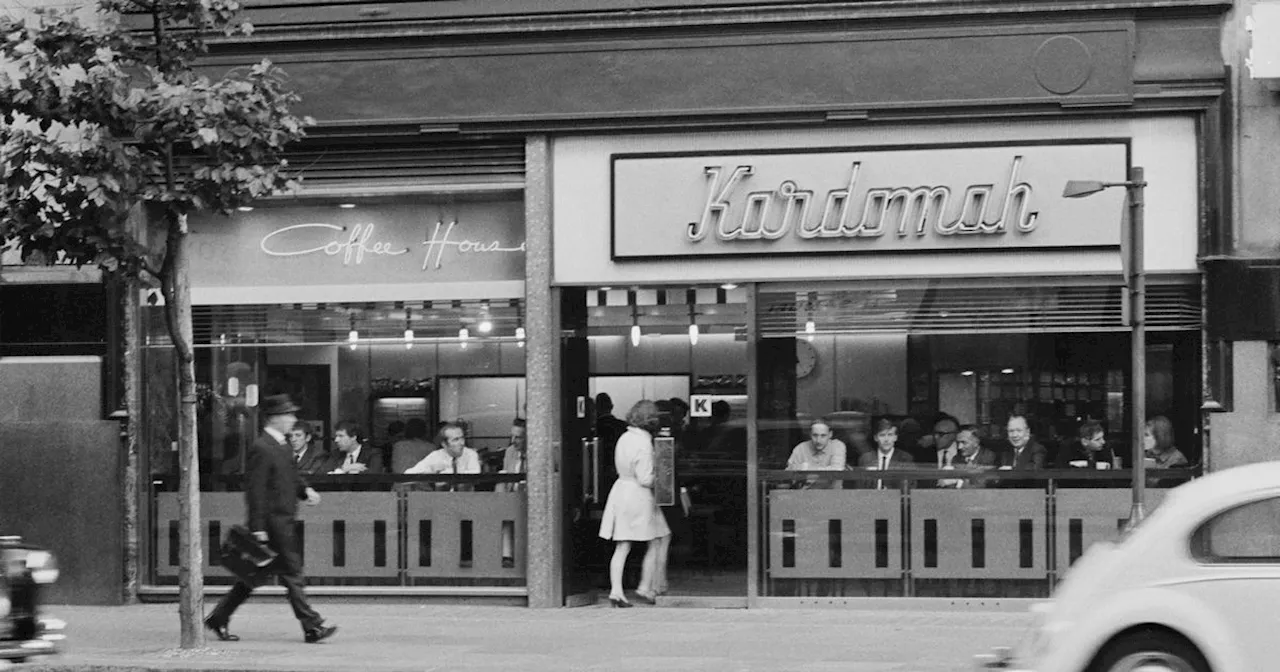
(1028, 454)
(273, 487)
(971, 456)
(309, 458)
(887, 455)
(353, 456)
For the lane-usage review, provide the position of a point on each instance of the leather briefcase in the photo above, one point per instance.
(244, 556)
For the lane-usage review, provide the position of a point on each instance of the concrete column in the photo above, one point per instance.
(542, 353)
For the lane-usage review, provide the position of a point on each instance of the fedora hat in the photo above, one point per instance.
(279, 404)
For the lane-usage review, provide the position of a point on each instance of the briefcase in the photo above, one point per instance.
(245, 556)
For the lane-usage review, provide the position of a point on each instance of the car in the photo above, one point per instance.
(25, 570)
(1195, 587)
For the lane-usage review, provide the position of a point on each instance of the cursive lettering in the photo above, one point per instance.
(354, 248)
(910, 211)
(439, 242)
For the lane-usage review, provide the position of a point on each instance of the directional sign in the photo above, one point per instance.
(700, 405)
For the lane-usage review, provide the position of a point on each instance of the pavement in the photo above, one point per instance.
(383, 637)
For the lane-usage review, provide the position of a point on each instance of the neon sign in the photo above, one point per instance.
(357, 243)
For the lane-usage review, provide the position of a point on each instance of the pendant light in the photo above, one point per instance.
(353, 336)
(408, 328)
(693, 321)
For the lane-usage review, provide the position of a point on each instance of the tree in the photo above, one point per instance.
(101, 124)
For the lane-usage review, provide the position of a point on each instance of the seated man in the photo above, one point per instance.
(971, 456)
(513, 458)
(820, 453)
(353, 457)
(886, 455)
(308, 458)
(1089, 452)
(453, 458)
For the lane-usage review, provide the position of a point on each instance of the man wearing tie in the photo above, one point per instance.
(308, 458)
(454, 458)
(1027, 452)
(353, 456)
(886, 455)
(273, 487)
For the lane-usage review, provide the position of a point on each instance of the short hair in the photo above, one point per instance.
(396, 427)
(976, 430)
(678, 404)
(644, 414)
(518, 422)
(1025, 421)
(884, 425)
(440, 437)
(949, 421)
(821, 421)
(1088, 429)
(351, 428)
(720, 409)
(415, 428)
(1162, 431)
(304, 427)
(604, 403)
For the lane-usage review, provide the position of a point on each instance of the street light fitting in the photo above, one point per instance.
(1082, 188)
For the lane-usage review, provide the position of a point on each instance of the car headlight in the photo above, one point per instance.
(43, 568)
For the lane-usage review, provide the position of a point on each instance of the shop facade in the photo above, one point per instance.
(859, 276)
(859, 209)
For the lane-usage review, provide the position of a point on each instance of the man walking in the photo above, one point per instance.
(273, 487)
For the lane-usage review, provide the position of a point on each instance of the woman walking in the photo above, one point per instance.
(631, 513)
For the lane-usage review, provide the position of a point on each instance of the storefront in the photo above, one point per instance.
(900, 274)
(385, 308)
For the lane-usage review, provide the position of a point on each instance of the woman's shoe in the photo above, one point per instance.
(619, 602)
(647, 598)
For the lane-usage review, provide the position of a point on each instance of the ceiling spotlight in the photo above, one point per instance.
(1006, 370)
(520, 336)
(353, 336)
(635, 334)
(693, 334)
(408, 339)
(346, 206)
(463, 335)
(967, 373)
(729, 285)
(485, 326)
(245, 208)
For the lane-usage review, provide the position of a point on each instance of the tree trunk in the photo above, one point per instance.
(190, 548)
(133, 406)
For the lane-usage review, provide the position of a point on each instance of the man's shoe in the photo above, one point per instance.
(319, 632)
(220, 629)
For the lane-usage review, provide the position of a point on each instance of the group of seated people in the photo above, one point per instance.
(966, 448)
(412, 454)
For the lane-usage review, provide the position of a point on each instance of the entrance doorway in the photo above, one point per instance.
(686, 350)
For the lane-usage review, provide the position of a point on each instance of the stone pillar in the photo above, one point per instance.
(542, 353)
(1251, 431)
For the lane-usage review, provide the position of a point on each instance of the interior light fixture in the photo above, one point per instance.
(635, 327)
(810, 329)
(245, 208)
(1006, 370)
(693, 326)
(967, 372)
(346, 206)
(353, 336)
(485, 326)
(408, 328)
(729, 285)
(463, 335)
(520, 336)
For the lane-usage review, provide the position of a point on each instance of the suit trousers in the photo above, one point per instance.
(282, 538)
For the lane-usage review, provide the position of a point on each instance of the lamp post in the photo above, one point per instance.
(1135, 316)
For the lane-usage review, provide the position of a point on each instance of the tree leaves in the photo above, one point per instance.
(95, 122)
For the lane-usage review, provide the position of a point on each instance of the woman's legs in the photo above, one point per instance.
(648, 565)
(620, 551)
(660, 564)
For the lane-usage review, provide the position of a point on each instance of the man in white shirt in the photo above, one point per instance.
(821, 452)
(454, 457)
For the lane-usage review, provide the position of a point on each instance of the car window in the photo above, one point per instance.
(1247, 533)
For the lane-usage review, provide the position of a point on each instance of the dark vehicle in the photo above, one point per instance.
(24, 571)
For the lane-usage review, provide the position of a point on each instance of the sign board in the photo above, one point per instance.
(664, 470)
(367, 245)
(865, 200)
(700, 405)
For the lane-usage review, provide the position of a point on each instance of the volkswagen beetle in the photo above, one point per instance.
(1194, 588)
(25, 570)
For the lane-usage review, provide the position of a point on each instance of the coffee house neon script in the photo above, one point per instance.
(359, 242)
(904, 211)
